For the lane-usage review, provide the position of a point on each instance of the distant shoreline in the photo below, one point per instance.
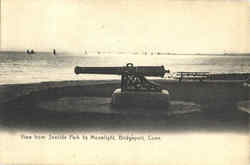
(21, 52)
(131, 53)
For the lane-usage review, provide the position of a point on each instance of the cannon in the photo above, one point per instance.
(132, 78)
(135, 89)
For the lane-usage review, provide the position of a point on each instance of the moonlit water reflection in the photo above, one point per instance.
(40, 67)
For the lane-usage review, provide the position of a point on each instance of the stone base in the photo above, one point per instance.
(140, 99)
(244, 106)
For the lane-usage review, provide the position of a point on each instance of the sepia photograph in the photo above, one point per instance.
(124, 82)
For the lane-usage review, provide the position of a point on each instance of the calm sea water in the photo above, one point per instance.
(25, 68)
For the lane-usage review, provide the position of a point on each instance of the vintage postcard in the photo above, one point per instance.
(124, 82)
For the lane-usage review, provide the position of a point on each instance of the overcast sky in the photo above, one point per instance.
(126, 25)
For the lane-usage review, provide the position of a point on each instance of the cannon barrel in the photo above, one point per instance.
(98, 70)
(151, 71)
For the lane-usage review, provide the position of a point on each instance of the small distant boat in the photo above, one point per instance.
(54, 51)
(30, 51)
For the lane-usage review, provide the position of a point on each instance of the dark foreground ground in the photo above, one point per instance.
(21, 108)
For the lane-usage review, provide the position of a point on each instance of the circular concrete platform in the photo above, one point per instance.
(244, 106)
(103, 105)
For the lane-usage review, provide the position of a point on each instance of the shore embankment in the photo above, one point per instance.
(207, 91)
